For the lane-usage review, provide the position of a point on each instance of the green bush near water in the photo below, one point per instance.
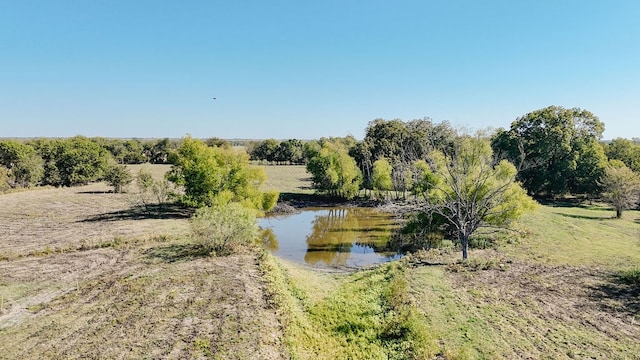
(222, 230)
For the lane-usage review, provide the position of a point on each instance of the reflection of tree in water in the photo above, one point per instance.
(334, 235)
(269, 239)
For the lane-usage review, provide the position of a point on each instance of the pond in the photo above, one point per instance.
(332, 237)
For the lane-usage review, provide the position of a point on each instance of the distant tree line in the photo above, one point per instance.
(74, 161)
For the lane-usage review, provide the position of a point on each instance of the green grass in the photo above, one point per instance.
(580, 236)
(478, 321)
(292, 179)
(365, 315)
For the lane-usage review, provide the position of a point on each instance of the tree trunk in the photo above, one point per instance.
(464, 241)
(618, 212)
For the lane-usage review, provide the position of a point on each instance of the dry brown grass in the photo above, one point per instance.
(47, 220)
(84, 276)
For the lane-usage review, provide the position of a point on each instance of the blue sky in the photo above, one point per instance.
(307, 69)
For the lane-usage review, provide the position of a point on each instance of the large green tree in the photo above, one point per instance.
(401, 143)
(218, 176)
(626, 151)
(548, 144)
(267, 150)
(381, 178)
(24, 166)
(466, 189)
(334, 171)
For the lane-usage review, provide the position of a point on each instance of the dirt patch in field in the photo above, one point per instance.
(49, 219)
(124, 303)
(62, 296)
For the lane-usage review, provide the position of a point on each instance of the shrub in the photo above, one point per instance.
(118, 176)
(151, 194)
(224, 229)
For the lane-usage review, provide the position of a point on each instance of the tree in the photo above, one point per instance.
(621, 187)
(401, 143)
(626, 151)
(158, 151)
(218, 142)
(266, 150)
(290, 151)
(335, 172)
(467, 190)
(118, 176)
(546, 145)
(381, 178)
(24, 166)
(218, 176)
(591, 163)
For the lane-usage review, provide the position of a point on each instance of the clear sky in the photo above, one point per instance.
(307, 69)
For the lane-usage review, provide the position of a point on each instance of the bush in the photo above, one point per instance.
(223, 230)
(118, 176)
(152, 195)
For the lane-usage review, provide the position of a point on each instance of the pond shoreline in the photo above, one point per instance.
(292, 204)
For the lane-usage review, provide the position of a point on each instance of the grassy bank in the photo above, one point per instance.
(363, 315)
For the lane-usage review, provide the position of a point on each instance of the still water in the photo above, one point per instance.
(331, 237)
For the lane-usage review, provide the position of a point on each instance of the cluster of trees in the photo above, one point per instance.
(218, 175)
(75, 161)
(466, 182)
(557, 152)
(220, 182)
(57, 162)
(292, 151)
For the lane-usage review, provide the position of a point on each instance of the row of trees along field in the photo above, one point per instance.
(463, 182)
(73, 161)
(460, 181)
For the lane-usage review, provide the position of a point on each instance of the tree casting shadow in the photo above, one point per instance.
(157, 211)
(587, 217)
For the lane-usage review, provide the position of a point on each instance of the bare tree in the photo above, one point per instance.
(468, 189)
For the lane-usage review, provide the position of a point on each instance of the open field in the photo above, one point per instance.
(288, 179)
(84, 276)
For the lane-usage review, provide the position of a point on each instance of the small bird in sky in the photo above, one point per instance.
(213, 98)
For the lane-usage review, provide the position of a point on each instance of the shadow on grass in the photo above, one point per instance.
(621, 293)
(587, 217)
(96, 192)
(157, 211)
(177, 252)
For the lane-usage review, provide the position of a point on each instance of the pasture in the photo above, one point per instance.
(83, 275)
